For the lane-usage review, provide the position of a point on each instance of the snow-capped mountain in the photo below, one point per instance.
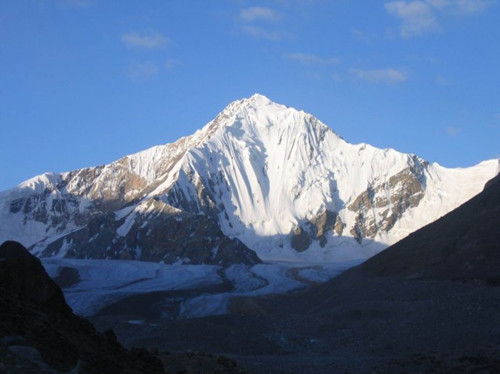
(260, 175)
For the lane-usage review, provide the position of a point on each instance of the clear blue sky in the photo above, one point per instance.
(85, 82)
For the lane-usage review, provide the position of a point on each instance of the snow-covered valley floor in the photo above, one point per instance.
(194, 290)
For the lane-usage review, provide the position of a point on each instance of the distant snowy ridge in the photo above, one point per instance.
(260, 175)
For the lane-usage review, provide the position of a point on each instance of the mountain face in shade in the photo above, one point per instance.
(462, 245)
(260, 177)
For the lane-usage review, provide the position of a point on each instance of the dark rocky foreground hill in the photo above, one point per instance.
(429, 304)
(40, 334)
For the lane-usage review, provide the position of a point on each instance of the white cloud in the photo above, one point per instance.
(421, 16)
(461, 6)
(140, 71)
(259, 14)
(453, 131)
(147, 40)
(261, 33)
(473, 6)
(380, 76)
(251, 22)
(310, 59)
(439, 4)
(417, 17)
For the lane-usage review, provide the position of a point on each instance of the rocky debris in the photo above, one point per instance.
(199, 363)
(18, 357)
(441, 364)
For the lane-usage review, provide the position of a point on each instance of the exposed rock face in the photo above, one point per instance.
(323, 223)
(381, 206)
(160, 233)
(317, 229)
(301, 239)
(152, 231)
(55, 211)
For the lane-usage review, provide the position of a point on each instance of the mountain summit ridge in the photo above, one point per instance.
(275, 178)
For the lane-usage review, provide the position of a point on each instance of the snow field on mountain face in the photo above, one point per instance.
(105, 282)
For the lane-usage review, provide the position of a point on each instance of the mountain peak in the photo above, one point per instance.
(259, 99)
(271, 176)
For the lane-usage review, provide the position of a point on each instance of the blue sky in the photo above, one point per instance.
(85, 82)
